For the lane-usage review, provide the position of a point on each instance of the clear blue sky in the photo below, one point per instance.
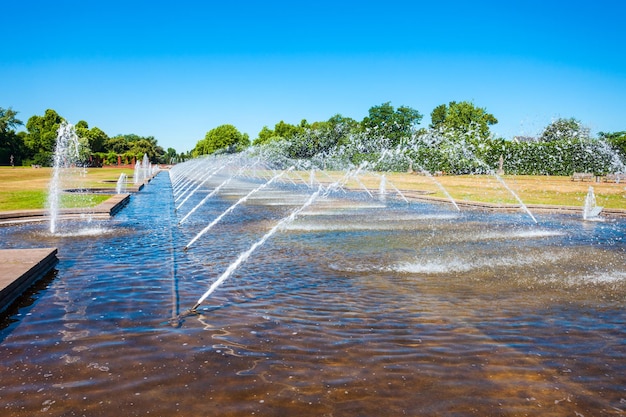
(176, 69)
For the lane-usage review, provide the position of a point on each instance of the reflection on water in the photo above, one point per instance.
(356, 308)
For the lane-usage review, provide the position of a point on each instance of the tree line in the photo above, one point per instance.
(458, 140)
(35, 145)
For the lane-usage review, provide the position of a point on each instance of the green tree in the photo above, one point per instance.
(617, 140)
(462, 118)
(95, 137)
(562, 128)
(266, 135)
(134, 146)
(395, 124)
(281, 130)
(141, 147)
(225, 137)
(41, 136)
(438, 116)
(8, 120)
(12, 149)
(170, 155)
(118, 144)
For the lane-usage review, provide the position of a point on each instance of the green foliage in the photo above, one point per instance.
(8, 120)
(563, 129)
(395, 124)
(95, 138)
(12, 148)
(36, 145)
(133, 147)
(617, 141)
(317, 142)
(41, 136)
(558, 157)
(222, 138)
(462, 118)
(281, 131)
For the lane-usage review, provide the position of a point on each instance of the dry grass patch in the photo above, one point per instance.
(550, 190)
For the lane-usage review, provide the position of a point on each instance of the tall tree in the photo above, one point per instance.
(281, 130)
(12, 149)
(395, 124)
(463, 118)
(564, 129)
(41, 136)
(95, 137)
(617, 140)
(225, 137)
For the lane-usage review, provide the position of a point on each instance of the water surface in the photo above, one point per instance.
(358, 307)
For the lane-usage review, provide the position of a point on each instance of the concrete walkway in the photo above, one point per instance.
(21, 268)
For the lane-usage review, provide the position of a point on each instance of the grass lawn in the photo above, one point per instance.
(532, 189)
(23, 188)
(26, 188)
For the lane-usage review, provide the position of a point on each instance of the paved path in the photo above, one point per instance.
(20, 268)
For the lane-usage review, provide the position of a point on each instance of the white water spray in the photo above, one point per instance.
(66, 154)
(232, 207)
(121, 184)
(245, 255)
(590, 210)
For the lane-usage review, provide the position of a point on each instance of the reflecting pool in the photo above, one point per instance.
(360, 306)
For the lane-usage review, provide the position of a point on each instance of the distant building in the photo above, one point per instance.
(525, 139)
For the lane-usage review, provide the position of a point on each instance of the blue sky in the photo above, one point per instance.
(175, 70)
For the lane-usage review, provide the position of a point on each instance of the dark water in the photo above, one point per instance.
(357, 308)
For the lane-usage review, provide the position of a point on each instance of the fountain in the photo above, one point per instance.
(66, 156)
(323, 301)
(231, 208)
(590, 210)
(382, 188)
(137, 174)
(120, 187)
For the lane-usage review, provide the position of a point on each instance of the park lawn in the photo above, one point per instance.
(532, 189)
(25, 188)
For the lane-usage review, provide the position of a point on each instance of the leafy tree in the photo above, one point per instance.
(438, 116)
(339, 120)
(11, 144)
(117, 144)
(617, 140)
(41, 136)
(131, 146)
(225, 137)
(95, 137)
(281, 130)
(266, 135)
(561, 129)
(462, 118)
(395, 124)
(8, 120)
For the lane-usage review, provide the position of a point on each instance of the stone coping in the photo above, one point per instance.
(20, 269)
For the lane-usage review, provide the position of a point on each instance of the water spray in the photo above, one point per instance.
(244, 256)
(231, 208)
